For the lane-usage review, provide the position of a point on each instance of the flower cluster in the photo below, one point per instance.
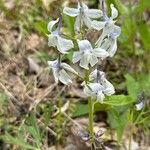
(98, 86)
(88, 55)
(55, 39)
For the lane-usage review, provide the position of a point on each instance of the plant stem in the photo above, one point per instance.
(90, 107)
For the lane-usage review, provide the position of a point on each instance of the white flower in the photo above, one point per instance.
(99, 76)
(139, 105)
(87, 55)
(95, 90)
(96, 75)
(108, 38)
(55, 40)
(108, 87)
(83, 15)
(99, 86)
(109, 42)
(59, 71)
(98, 25)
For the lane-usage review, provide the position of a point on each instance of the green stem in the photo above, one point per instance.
(90, 106)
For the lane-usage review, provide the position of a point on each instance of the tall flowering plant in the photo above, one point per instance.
(95, 85)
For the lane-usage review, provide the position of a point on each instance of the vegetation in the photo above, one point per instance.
(38, 114)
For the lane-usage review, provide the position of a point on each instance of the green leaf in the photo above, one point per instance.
(17, 141)
(142, 6)
(34, 133)
(34, 129)
(118, 100)
(81, 110)
(144, 81)
(128, 29)
(115, 100)
(41, 27)
(47, 114)
(117, 121)
(133, 87)
(144, 34)
(101, 107)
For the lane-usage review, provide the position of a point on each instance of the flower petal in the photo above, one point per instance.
(116, 32)
(87, 21)
(87, 91)
(67, 67)
(113, 48)
(55, 69)
(101, 53)
(114, 11)
(93, 75)
(98, 25)
(56, 74)
(76, 57)
(84, 45)
(139, 106)
(85, 7)
(52, 40)
(109, 28)
(78, 24)
(108, 87)
(93, 89)
(73, 12)
(53, 64)
(100, 96)
(93, 60)
(96, 87)
(105, 44)
(64, 45)
(93, 13)
(51, 24)
(64, 77)
(84, 62)
(109, 91)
